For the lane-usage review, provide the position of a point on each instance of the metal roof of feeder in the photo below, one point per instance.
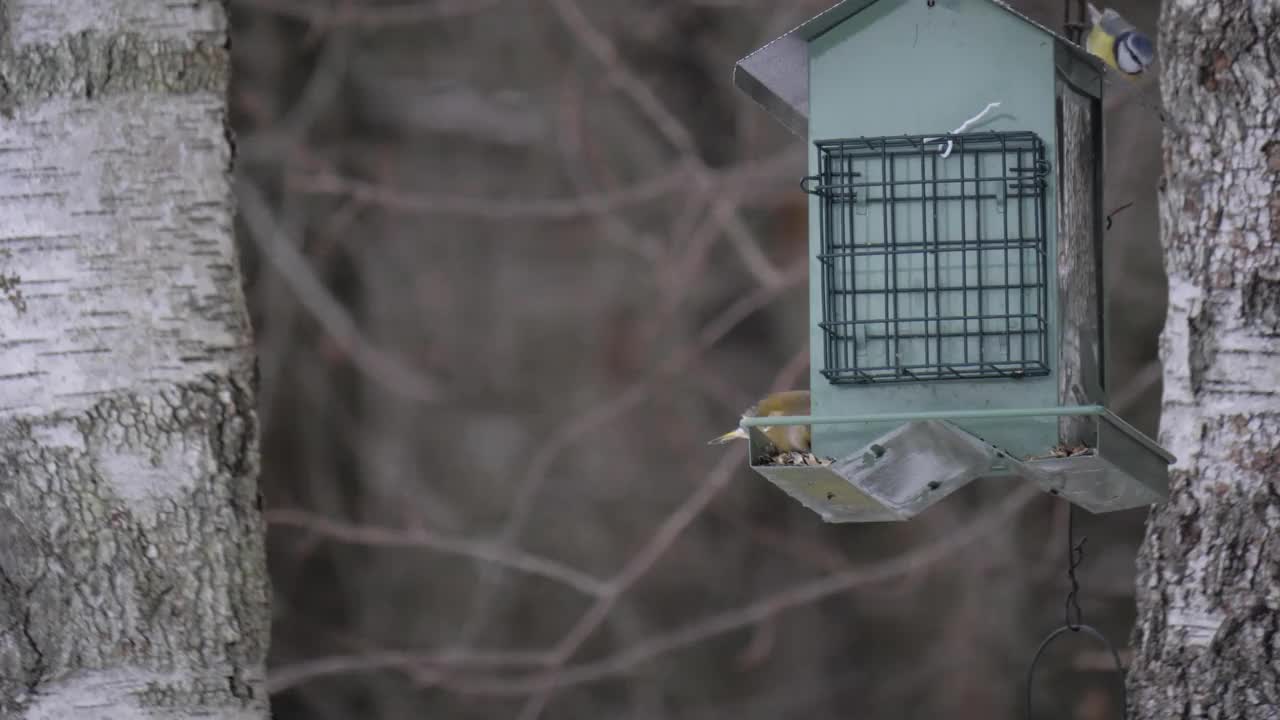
(777, 74)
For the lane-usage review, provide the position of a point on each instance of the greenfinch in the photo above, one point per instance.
(785, 438)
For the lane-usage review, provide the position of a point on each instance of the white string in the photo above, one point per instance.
(963, 126)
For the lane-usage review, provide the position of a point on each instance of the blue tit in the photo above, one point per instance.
(786, 438)
(1119, 44)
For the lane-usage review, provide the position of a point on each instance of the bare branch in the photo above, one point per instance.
(743, 179)
(915, 561)
(725, 213)
(370, 535)
(489, 208)
(371, 16)
(576, 428)
(643, 561)
(573, 143)
(1143, 380)
(789, 376)
(384, 369)
(722, 623)
(426, 666)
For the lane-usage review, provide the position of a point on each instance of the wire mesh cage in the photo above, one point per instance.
(934, 262)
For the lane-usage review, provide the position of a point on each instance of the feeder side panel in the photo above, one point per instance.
(902, 68)
(1079, 262)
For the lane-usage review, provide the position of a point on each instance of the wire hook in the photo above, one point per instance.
(1092, 632)
(1075, 619)
(1075, 556)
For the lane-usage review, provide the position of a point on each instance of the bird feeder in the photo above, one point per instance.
(958, 314)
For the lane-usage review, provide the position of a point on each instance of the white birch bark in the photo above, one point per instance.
(132, 574)
(1209, 571)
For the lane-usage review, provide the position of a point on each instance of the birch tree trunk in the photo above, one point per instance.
(132, 578)
(1207, 641)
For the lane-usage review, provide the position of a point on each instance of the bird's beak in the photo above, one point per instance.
(734, 434)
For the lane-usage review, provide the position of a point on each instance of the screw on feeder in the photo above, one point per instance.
(874, 453)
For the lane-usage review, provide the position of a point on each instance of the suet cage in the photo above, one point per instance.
(958, 314)
(932, 268)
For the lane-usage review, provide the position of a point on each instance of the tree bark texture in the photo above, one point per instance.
(1207, 641)
(132, 572)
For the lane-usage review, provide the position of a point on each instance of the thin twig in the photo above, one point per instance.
(321, 91)
(789, 376)
(1142, 381)
(798, 596)
(1117, 211)
(573, 145)
(914, 561)
(374, 536)
(669, 126)
(580, 426)
(371, 17)
(281, 252)
(752, 176)
(291, 675)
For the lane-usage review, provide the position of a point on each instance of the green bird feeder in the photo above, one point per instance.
(958, 315)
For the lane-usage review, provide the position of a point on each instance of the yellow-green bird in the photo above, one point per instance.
(786, 438)
(1118, 43)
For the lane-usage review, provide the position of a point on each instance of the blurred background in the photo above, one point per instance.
(511, 263)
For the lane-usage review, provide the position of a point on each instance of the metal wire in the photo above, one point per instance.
(1074, 621)
(1073, 616)
(1075, 556)
(1117, 211)
(1095, 634)
(933, 268)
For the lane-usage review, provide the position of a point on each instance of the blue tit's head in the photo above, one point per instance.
(1134, 52)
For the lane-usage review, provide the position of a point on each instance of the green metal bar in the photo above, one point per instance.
(1061, 411)
(1140, 437)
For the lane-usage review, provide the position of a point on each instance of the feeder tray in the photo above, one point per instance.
(917, 464)
(1120, 468)
(894, 478)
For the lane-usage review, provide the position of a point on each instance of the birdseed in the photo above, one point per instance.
(798, 458)
(1064, 451)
